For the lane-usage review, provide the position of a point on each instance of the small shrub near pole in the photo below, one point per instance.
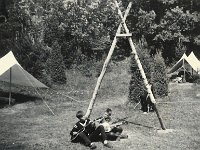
(154, 68)
(159, 77)
(137, 87)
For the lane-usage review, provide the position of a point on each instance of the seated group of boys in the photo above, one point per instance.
(87, 132)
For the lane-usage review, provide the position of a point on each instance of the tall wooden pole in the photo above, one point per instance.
(99, 80)
(10, 86)
(140, 66)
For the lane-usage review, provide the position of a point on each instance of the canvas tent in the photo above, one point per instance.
(196, 63)
(12, 72)
(179, 64)
(190, 60)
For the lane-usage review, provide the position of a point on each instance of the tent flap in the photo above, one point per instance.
(179, 64)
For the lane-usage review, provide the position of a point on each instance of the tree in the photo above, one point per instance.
(165, 24)
(55, 64)
(159, 77)
(85, 29)
(19, 34)
(137, 87)
(175, 27)
(180, 50)
(144, 28)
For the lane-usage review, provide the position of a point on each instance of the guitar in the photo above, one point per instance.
(81, 130)
(108, 127)
(76, 135)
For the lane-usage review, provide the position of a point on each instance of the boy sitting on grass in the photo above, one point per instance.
(113, 131)
(85, 132)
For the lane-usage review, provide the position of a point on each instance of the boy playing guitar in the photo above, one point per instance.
(113, 130)
(85, 131)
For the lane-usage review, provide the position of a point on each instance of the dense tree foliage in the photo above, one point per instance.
(84, 30)
(30, 27)
(166, 25)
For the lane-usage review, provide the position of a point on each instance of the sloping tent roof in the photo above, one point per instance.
(196, 63)
(179, 64)
(18, 74)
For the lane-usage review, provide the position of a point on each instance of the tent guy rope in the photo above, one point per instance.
(38, 93)
(70, 97)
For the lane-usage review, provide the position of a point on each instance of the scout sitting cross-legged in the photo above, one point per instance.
(86, 132)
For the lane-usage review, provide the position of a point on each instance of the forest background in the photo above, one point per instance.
(49, 37)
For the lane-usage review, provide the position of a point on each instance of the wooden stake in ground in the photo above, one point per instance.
(90, 107)
(140, 67)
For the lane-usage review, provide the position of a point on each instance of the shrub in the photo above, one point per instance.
(90, 66)
(46, 78)
(159, 76)
(55, 64)
(196, 78)
(137, 87)
(197, 81)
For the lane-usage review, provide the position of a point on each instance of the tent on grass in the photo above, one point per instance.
(12, 72)
(179, 64)
(188, 64)
(196, 63)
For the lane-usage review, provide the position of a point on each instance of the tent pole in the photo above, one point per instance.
(10, 86)
(184, 71)
(192, 71)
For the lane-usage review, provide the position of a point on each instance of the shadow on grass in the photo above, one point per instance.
(19, 98)
(12, 146)
(130, 122)
(138, 124)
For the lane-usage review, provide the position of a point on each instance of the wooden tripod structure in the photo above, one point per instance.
(134, 52)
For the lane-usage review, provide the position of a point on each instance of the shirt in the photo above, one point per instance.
(85, 127)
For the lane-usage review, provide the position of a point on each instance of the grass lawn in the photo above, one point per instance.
(29, 125)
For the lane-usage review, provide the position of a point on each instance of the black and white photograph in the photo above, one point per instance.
(99, 74)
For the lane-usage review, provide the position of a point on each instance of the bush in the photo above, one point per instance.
(55, 64)
(197, 81)
(137, 87)
(196, 78)
(46, 78)
(159, 76)
(90, 66)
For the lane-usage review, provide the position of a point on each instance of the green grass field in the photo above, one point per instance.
(30, 125)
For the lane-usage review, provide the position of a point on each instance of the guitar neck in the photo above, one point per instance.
(115, 124)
